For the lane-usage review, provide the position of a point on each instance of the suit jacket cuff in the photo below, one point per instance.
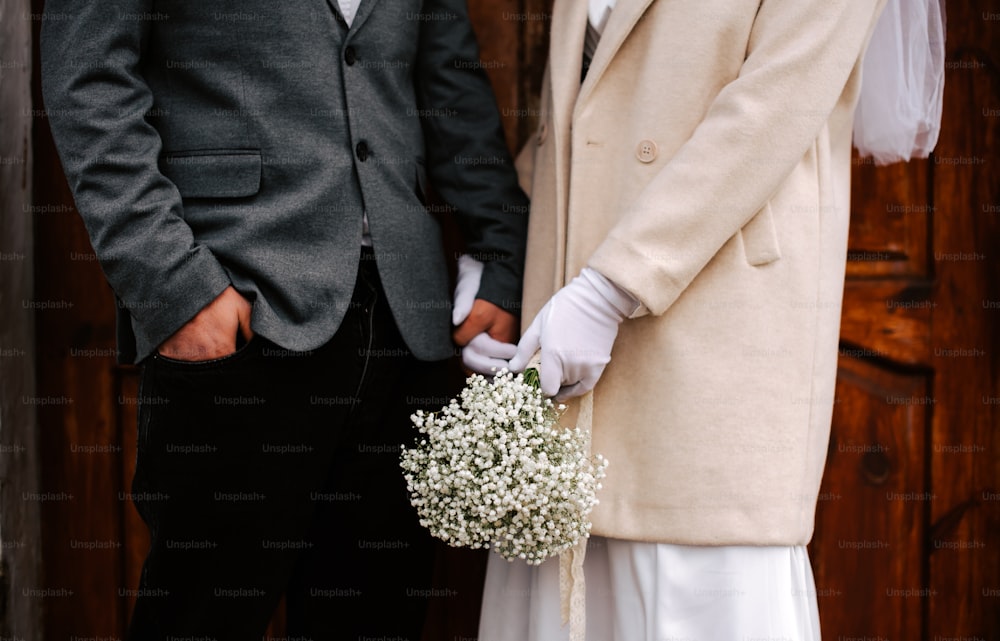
(501, 285)
(184, 291)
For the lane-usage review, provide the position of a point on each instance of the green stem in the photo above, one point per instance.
(531, 377)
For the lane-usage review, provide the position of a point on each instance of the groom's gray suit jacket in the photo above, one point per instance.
(212, 142)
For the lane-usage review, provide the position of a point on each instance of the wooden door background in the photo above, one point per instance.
(906, 544)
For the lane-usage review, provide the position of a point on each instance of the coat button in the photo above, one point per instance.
(646, 151)
(350, 56)
(362, 151)
(542, 131)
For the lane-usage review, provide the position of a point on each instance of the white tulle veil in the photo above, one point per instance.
(898, 116)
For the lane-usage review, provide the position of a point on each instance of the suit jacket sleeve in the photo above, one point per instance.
(799, 59)
(96, 99)
(467, 159)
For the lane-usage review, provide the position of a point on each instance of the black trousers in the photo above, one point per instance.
(270, 472)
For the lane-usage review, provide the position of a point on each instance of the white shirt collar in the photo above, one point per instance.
(599, 10)
(348, 8)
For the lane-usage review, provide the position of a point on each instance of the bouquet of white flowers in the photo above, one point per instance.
(494, 468)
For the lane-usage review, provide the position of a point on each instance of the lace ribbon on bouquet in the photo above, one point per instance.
(898, 116)
(572, 586)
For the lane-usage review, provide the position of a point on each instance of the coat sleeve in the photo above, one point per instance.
(800, 56)
(96, 98)
(467, 158)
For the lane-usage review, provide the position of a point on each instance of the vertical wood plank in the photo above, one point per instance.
(21, 596)
(964, 542)
(890, 217)
(870, 529)
(498, 28)
(81, 456)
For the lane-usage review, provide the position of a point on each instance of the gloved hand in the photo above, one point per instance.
(470, 271)
(575, 331)
(483, 354)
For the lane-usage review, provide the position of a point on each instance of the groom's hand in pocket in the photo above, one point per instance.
(212, 332)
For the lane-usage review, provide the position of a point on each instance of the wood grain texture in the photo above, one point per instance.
(498, 31)
(890, 218)
(20, 501)
(81, 455)
(870, 529)
(888, 319)
(922, 303)
(964, 541)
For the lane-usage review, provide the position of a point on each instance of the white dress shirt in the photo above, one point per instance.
(599, 12)
(348, 8)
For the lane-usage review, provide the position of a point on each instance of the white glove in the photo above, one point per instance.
(470, 271)
(487, 355)
(575, 331)
(483, 354)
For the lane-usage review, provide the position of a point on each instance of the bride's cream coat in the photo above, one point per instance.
(704, 166)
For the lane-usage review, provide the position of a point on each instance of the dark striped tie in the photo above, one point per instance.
(589, 47)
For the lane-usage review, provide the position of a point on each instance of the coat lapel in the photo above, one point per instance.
(623, 18)
(569, 25)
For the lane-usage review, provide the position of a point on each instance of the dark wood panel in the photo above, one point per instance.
(935, 310)
(888, 319)
(498, 26)
(891, 209)
(80, 453)
(513, 40)
(870, 528)
(964, 550)
(20, 501)
(134, 531)
(536, 24)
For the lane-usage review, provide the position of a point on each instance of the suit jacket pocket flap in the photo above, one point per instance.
(224, 174)
(760, 238)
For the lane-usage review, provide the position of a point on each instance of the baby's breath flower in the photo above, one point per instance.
(496, 469)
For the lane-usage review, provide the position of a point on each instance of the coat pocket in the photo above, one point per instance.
(760, 238)
(214, 173)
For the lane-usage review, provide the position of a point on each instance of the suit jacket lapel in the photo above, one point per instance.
(360, 15)
(623, 18)
(364, 10)
(335, 8)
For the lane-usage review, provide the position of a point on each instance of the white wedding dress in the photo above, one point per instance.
(659, 592)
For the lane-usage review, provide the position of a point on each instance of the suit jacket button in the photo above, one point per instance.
(646, 151)
(350, 55)
(362, 151)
